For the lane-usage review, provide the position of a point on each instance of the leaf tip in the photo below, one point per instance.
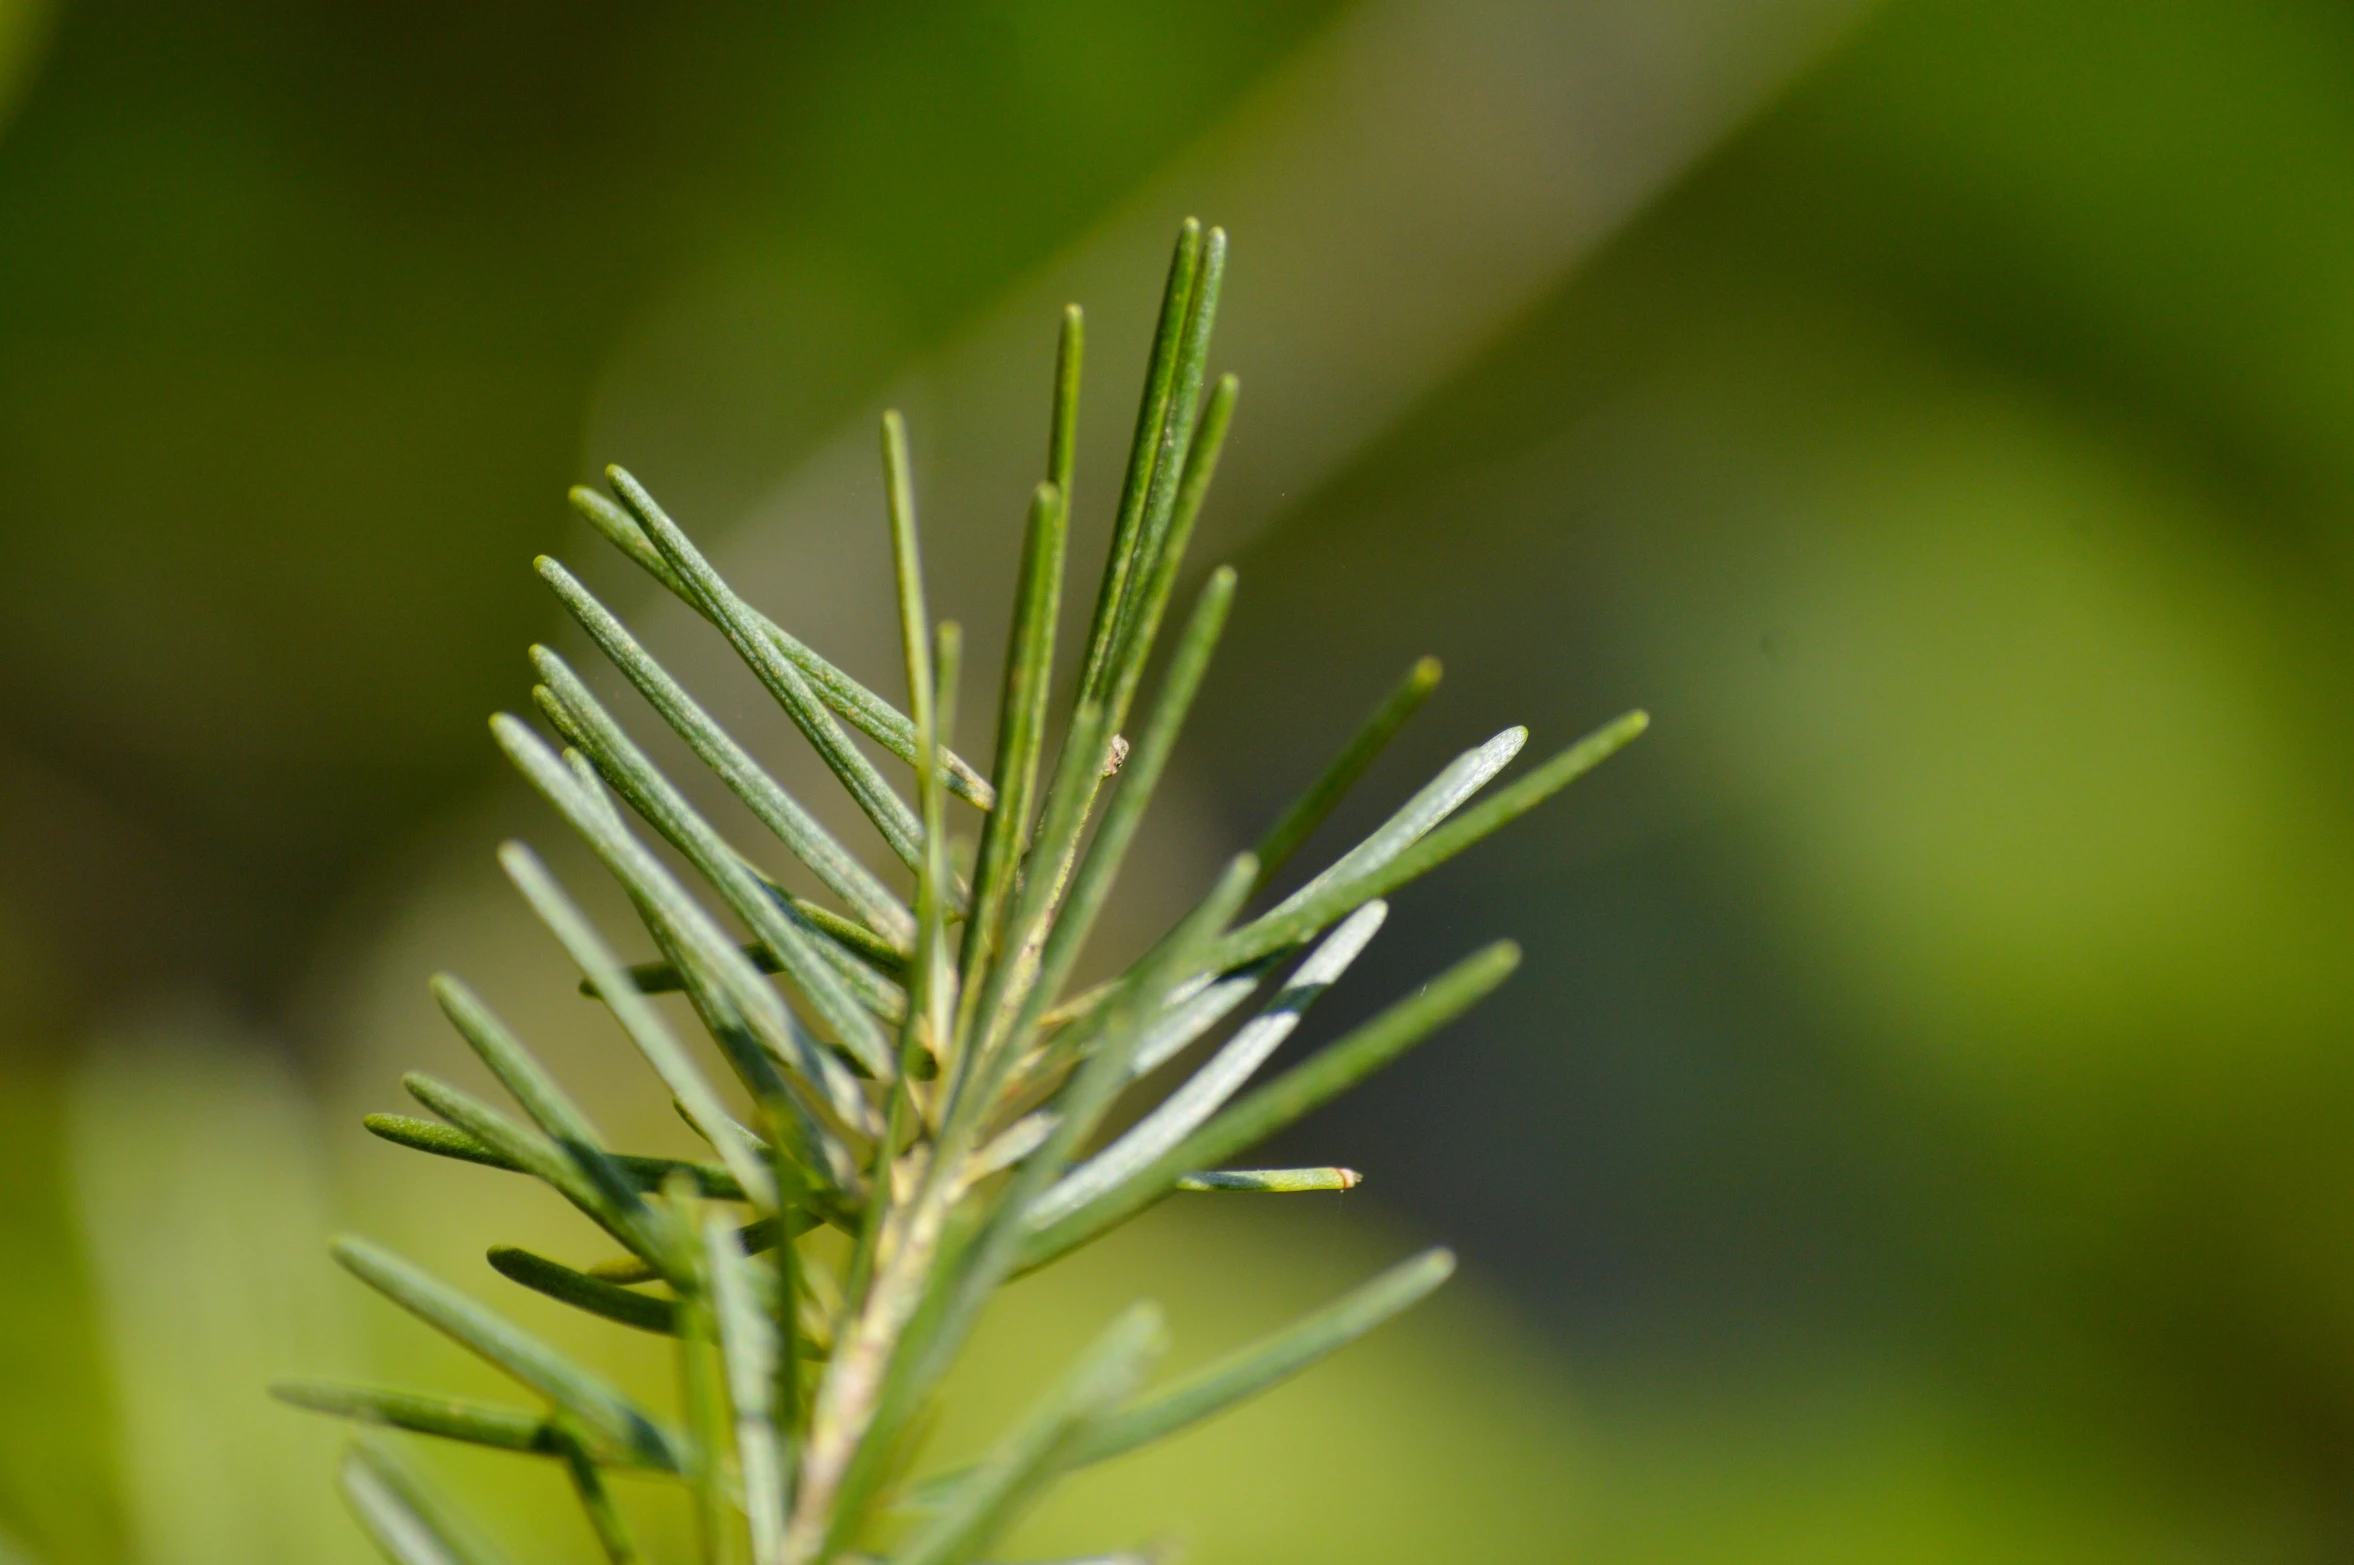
(1146, 1325)
(622, 1269)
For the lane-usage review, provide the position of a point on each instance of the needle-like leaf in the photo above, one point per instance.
(1207, 1089)
(550, 1163)
(855, 939)
(776, 809)
(425, 1135)
(778, 673)
(992, 1494)
(596, 1503)
(1212, 1390)
(1285, 1099)
(548, 1104)
(664, 978)
(784, 1325)
(703, 1398)
(476, 1423)
(1141, 625)
(683, 919)
(1299, 821)
(1062, 441)
(1301, 918)
(796, 1131)
(856, 955)
(1431, 804)
(1143, 451)
(907, 570)
(933, 997)
(1021, 731)
(1239, 1376)
(982, 1057)
(643, 1311)
(1134, 791)
(923, 1039)
(601, 1409)
(403, 1515)
(869, 713)
(638, 1018)
(1174, 462)
(1190, 1015)
(748, 1349)
(664, 808)
(754, 1237)
(1272, 1181)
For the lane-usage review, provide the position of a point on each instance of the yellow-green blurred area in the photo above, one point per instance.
(1923, 1128)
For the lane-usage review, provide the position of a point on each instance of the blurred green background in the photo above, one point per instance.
(1924, 1128)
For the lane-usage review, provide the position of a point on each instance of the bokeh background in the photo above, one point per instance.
(1924, 1128)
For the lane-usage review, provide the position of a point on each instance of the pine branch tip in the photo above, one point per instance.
(804, 1388)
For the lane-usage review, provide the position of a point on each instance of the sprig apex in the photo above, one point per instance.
(804, 1390)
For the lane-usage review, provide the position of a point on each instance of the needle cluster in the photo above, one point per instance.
(915, 1074)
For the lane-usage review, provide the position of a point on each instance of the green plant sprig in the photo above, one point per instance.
(919, 1080)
